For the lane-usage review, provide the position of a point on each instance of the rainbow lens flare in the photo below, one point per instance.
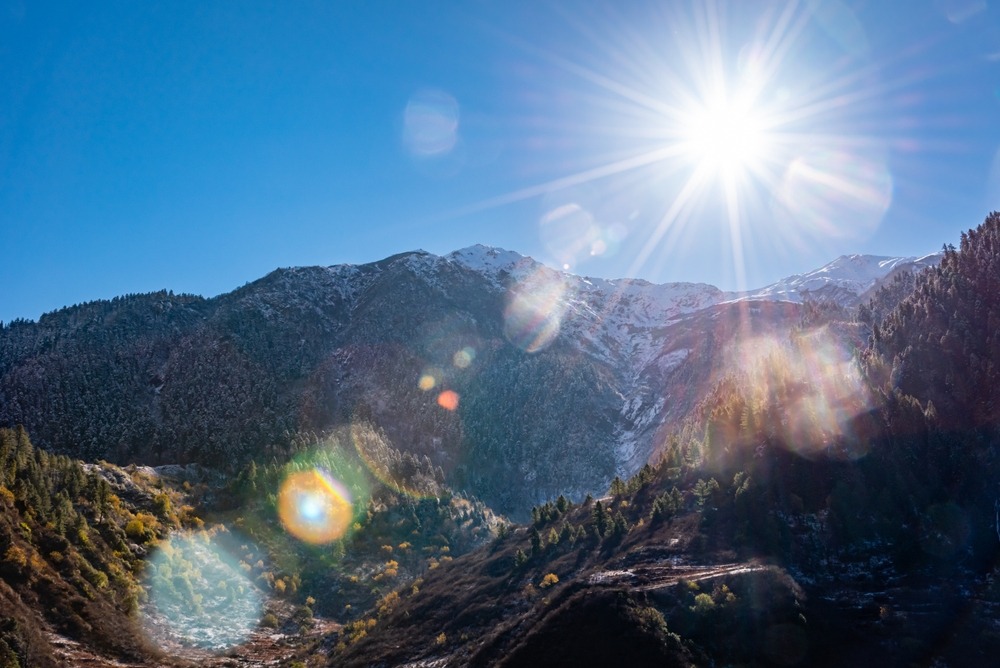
(314, 507)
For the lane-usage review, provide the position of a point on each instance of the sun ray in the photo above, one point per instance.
(734, 117)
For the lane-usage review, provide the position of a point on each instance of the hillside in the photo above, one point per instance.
(806, 478)
(70, 555)
(789, 522)
(481, 360)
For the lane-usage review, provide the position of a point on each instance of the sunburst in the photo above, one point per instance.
(725, 121)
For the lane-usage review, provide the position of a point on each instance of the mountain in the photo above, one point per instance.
(482, 360)
(787, 483)
(845, 281)
(805, 513)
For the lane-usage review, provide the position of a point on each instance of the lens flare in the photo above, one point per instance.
(535, 309)
(815, 384)
(430, 123)
(448, 400)
(835, 195)
(427, 382)
(389, 466)
(569, 233)
(314, 507)
(464, 357)
(199, 595)
(960, 11)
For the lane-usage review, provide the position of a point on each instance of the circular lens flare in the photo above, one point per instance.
(314, 507)
(198, 594)
(569, 233)
(448, 400)
(464, 357)
(535, 310)
(427, 381)
(430, 123)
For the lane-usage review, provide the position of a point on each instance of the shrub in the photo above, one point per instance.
(162, 505)
(388, 604)
(549, 580)
(703, 603)
(16, 557)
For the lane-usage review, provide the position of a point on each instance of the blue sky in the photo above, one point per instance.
(197, 146)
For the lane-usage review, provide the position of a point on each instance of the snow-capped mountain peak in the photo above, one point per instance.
(843, 280)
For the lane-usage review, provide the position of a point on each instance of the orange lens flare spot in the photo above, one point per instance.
(313, 507)
(427, 382)
(448, 400)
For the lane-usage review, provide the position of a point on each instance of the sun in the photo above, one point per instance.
(754, 125)
(726, 133)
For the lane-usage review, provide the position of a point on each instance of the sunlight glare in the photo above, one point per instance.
(314, 507)
(198, 594)
(727, 133)
(535, 309)
(762, 126)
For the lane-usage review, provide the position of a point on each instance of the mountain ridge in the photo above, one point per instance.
(163, 378)
(789, 483)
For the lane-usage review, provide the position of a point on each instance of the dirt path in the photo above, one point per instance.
(648, 578)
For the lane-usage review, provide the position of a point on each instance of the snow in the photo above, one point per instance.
(487, 259)
(844, 279)
(624, 322)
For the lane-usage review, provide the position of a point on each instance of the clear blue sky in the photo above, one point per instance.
(195, 146)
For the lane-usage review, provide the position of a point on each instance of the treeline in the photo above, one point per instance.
(70, 552)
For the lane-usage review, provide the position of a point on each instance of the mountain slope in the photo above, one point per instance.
(874, 508)
(844, 281)
(483, 360)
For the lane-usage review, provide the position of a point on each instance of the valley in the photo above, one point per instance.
(424, 462)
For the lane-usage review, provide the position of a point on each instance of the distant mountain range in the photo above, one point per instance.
(559, 382)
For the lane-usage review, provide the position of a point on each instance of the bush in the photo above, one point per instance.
(136, 530)
(549, 580)
(703, 603)
(16, 557)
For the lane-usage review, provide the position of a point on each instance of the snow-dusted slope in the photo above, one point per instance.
(644, 330)
(611, 319)
(842, 280)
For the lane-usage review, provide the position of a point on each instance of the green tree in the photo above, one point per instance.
(536, 542)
